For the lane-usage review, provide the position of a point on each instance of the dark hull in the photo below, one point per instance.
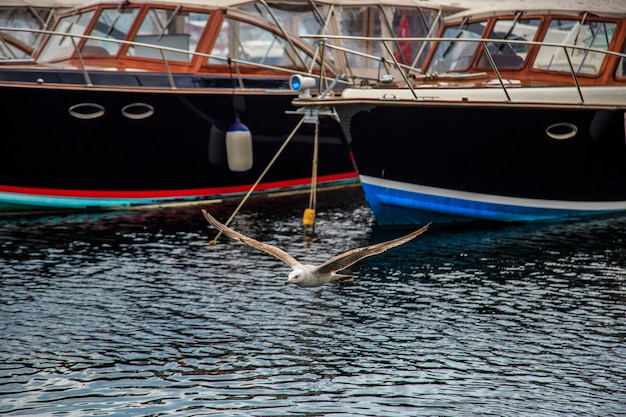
(157, 149)
(469, 156)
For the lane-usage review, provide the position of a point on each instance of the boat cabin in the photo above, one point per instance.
(514, 49)
(233, 37)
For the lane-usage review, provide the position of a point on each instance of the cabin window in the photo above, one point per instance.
(295, 18)
(59, 47)
(17, 45)
(509, 55)
(111, 24)
(12, 48)
(245, 42)
(361, 21)
(169, 28)
(398, 23)
(456, 55)
(10, 51)
(596, 35)
(412, 23)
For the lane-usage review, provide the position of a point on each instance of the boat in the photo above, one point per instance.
(518, 114)
(141, 102)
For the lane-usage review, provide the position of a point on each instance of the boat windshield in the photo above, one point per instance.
(456, 56)
(397, 22)
(413, 23)
(172, 29)
(293, 19)
(596, 34)
(296, 18)
(361, 21)
(319, 18)
(59, 47)
(22, 18)
(244, 41)
(112, 24)
(509, 56)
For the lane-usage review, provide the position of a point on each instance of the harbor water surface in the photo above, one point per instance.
(135, 314)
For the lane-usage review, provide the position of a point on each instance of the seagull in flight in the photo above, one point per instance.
(315, 275)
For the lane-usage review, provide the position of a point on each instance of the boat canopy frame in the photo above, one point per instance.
(410, 73)
(161, 50)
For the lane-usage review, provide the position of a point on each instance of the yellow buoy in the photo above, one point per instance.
(309, 217)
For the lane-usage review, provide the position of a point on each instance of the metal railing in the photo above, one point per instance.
(162, 51)
(347, 76)
(406, 70)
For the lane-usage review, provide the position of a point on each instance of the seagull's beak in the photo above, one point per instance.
(288, 281)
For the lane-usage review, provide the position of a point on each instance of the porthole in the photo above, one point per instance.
(137, 111)
(86, 111)
(561, 131)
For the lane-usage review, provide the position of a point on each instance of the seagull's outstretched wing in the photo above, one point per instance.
(272, 250)
(353, 256)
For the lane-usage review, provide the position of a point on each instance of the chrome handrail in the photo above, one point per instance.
(397, 64)
(492, 62)
(482, 41)
(161, 49)
(437, 39)
(404, 69)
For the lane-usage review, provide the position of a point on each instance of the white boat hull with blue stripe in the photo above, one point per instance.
(399, 204)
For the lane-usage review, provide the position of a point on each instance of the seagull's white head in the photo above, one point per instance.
(295, 277)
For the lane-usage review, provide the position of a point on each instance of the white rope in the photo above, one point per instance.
(267, 168)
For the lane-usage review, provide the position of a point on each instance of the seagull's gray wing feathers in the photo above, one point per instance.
(351, 257)
(272, 250)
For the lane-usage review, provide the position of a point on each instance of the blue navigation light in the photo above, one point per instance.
(298, 82)
(295, 83)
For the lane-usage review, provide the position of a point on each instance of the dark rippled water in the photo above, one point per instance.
(133, 314)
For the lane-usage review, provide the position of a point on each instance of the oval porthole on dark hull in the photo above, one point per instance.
(561, 131)
(137, 111)
(86, 111)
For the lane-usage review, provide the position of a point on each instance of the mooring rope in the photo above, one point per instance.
(267, 168)
(308, 218)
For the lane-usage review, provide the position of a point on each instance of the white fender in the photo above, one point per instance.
(239, 147)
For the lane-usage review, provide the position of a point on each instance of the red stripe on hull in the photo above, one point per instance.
(173, 194)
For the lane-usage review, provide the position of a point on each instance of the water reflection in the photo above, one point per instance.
(135, 314)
